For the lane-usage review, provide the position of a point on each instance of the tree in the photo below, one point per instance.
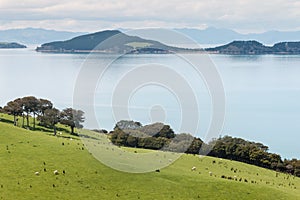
(44, 105)
(72, 118)
(30, 105)
(195, 146)
(14, 108)
(50, 118)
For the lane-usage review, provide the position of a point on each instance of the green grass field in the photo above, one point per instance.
(138, 44)
(24, 152)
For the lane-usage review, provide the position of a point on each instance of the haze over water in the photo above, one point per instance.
(262, 92)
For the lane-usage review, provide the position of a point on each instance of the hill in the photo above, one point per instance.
(24, 152)
(256, 48)
(35, 35)
(118, 43)
(212, 35)
(13, 45)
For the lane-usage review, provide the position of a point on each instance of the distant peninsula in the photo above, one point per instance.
(115, 41)
(109, 41)
(12, 45)
(253, 47)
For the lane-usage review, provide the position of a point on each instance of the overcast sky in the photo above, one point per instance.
(94, 15)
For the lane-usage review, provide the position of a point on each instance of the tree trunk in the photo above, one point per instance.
(15, 122)
(23, 120)
(27, 118)
(54, 130)
(72, 130)
(33, 120)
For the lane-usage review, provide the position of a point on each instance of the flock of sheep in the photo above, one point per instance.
(194, 168)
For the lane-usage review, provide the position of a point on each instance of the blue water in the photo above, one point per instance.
(262, 92)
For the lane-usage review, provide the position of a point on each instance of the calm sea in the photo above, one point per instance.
(262, 92)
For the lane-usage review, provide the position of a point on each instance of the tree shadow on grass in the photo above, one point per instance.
(6, 121)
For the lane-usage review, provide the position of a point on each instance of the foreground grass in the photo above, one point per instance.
(24, 152)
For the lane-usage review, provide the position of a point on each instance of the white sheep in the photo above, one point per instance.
(37, 173)
(194, 168)
(210, 173)
(55, 172)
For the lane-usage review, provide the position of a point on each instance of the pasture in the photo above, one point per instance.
(81, 176)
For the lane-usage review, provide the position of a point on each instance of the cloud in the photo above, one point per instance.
(79, 14)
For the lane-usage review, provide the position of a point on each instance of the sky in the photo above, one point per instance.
(91, 15)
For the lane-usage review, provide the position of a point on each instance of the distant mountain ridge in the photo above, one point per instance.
(256, 48)
(35, 35)
(210, 35)
(213, 35)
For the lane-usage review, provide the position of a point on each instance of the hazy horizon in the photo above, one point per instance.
(91, 15)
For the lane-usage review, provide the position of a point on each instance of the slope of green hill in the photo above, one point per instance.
(24, 152)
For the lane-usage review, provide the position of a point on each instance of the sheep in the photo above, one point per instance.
(55, 172)
(210, 173)
(37, 173)
(194, 168)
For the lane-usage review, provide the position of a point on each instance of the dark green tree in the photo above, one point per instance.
(14, 108)
(30, 106)
(50, 118)
(72, 118)
(44, 105)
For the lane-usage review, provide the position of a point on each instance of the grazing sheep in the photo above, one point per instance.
(37, 173)
(194, 168)
(55, 172)
(210, 173)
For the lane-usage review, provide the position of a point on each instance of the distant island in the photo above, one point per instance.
(253, 47)
(13, 45)
(114, 41)
(118, 43)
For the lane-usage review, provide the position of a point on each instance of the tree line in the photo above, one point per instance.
(160, 136)
(43, 111)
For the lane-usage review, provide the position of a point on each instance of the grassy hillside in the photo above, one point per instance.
(24, 152)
